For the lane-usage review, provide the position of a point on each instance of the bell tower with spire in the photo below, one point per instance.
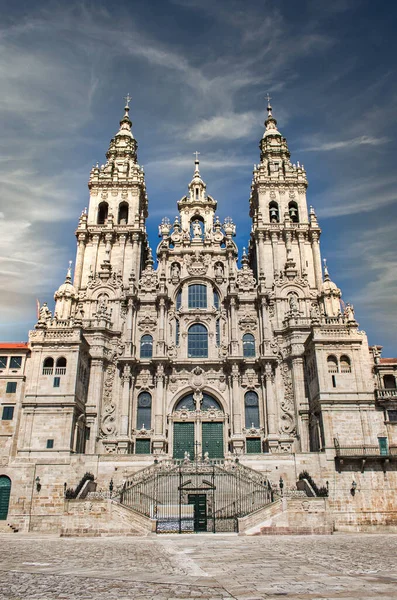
(111, 237)
(285, 238)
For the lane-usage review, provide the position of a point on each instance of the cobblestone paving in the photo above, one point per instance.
(339, 567)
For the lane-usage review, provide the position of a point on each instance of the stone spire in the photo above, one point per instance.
(123, 145)
(197, 187)
(65, 296)
(331, 294)
(273, 144)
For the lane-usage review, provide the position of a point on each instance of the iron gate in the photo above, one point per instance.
(188, 497)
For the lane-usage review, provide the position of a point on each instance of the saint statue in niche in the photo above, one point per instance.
(197, 232)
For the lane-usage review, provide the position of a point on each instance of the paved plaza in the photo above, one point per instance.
(199, 566)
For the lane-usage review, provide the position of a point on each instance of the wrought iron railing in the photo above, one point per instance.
(364, 451)
(196, 495)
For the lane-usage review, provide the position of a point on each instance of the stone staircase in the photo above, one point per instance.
(289, 516)
(102, 517)
(8, 527)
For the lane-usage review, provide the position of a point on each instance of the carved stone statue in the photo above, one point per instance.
(349, 312)
(196, 229)
(44, 313)
(293, 303)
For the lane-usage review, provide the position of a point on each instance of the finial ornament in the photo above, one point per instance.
(127, 99)
(196, 154)
(268, 98)
(69, 271)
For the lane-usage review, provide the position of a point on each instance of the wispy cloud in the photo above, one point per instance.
(365, 195)
(363, 140)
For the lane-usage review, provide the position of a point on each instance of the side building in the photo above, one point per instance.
(201, 357)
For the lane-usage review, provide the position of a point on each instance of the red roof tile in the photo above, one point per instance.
(388, 361)
(13, 345)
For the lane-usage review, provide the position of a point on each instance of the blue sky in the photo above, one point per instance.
(198, 71)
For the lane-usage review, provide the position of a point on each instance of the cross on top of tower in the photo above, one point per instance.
(127, 99)
(196, 154)
(268, 98)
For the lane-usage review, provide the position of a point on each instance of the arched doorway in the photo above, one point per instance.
(198, 427)
(5, 490)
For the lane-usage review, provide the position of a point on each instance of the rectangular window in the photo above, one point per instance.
(142, 447)
(16, 362)
(333, 381)
(50, 444)
(57, 381)
(179, 300)
(218, 333)
(3, 362)
(8, 413)
(11, 387)
(177, 332)
(197, 296)
(392, 416)
(253, 445)
(383, 446)
(216, 300)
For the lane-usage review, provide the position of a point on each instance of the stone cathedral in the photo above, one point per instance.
(202, 357)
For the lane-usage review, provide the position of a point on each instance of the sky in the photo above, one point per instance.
(198, 72)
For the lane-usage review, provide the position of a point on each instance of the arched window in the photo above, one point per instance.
(144, 411)
(60, 367)
(103, 210)
(274, 214)
(123, 213)
(251, 402)
(197, 297)
(293, 211)
(248, 345)
(197, 341)
(345, 365)
(207, 403)
(332, 363)
(146, 346)
(389, 382)
(5, 490)
(48, 366)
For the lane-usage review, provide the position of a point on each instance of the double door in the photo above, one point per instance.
(198, 438)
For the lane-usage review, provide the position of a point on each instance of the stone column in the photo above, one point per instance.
(237, 434)
(298, 382)
(158, 401)
(271, 407)
(125, 400)
(274, 240)
(95, 249)
(94, 402)
(129, 327)
(233, 328)
(122, 244)
(302, 256)
(236, 401)
(78, 269)
(317, 259)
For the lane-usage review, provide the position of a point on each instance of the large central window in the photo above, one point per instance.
(197, 341)
(197, 296)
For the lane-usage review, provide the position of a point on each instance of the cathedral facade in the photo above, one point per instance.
(200, 357)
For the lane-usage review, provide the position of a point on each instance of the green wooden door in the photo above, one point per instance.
(213, 439)
(5, 489)
(200, 511)
(183, 439)
(383, 446)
